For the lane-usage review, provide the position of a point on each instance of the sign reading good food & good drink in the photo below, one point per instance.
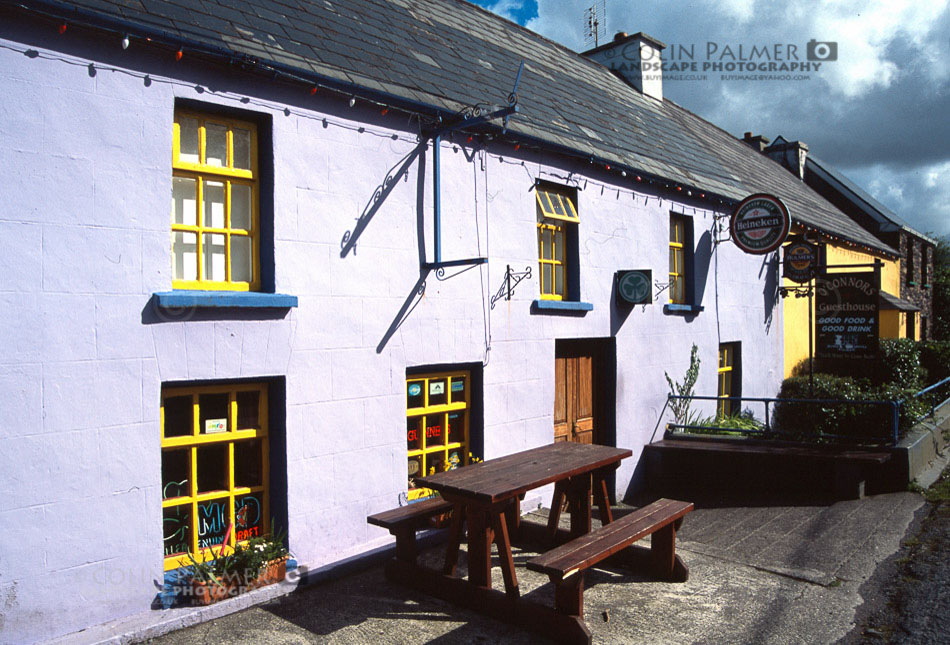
(760, 224)
(846, 310)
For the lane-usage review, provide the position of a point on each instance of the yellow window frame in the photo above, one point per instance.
(202, 172)
(556, 204)
(677, 260)
(425, 454)
(230, 437)
(726, 360)
(551, 253)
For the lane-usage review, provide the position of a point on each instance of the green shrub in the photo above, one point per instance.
(860, 422)
(900, 363)
(935, 360)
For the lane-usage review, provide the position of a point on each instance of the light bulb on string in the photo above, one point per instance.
(125, 41)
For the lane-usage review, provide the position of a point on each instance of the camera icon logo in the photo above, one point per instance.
(819, 50)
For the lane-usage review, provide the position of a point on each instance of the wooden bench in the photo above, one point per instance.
(565, 565)
(404, 521)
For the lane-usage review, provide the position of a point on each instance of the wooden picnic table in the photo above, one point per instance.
(487, 496)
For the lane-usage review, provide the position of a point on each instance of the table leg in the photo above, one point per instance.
(601, 498)
(555, 515)
(500, 524)
(455, 540)
(479, 547)
(513, 517)
(579, 496)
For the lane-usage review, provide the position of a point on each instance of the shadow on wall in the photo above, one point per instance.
(701, 259)
(418, 290)
(397, 172)
(770, 290)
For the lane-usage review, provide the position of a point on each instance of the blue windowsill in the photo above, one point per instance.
(232, 299)
(562, 305)
(684, 310)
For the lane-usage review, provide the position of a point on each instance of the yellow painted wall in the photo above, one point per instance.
(795, 310)
(892, 324)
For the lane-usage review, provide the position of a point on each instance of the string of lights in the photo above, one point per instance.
(359, 96)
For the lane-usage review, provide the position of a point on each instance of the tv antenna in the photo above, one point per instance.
(595, 23)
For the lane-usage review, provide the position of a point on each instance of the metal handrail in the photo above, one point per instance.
(894, 405)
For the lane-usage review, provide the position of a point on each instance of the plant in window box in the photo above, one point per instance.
(259, 562)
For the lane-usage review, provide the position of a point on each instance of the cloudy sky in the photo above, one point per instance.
(880, 112)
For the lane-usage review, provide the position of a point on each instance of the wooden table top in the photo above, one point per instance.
(502, 478)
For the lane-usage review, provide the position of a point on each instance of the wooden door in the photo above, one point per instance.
(574, 398)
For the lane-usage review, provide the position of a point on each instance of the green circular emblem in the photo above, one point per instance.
(634, 287)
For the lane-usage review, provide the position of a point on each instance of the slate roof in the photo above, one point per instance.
(862, 199)
(449, 54)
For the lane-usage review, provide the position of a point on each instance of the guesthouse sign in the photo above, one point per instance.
(760, 224)
(846, 310)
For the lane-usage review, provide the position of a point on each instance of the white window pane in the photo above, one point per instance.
(184, 255)
(188, 146)
(240, 206)
(559, 279)
(184, 206)
(242, 148)
(546, 278)
(212, 214)
(559, 246)
(240, 258)
(216, 145)
(546, 244)
(213, 250)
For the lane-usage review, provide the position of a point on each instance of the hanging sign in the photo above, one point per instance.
(846, 310)
(801, 258)
(760, 224)
(634, 287)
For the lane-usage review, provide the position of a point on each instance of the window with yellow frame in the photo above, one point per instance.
(728, 378)
(215, 203)
(214, 469)
(677, 259)
(437, 424)
(556, 211)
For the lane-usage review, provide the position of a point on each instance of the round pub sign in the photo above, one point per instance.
(760, 224)
(800, 261)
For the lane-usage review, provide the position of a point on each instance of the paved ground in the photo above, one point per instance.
(759, 574)
(908, 598)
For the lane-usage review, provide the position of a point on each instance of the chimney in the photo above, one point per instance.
(758, 142)
(791, 154)
(636, 59)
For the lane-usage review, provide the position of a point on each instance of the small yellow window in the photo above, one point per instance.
(727, 356)
(437, 432)
(677, 259)
(215, 219)
(556, 212)
(214, 470)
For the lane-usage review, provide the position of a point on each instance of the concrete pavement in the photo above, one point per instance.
(761, 574)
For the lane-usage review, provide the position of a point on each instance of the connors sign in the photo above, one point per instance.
(760, 224)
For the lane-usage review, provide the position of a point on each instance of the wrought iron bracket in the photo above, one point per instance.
(512, 279)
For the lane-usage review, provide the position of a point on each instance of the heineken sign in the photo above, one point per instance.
(760, 224)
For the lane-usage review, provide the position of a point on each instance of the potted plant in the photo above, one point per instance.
(258, 562)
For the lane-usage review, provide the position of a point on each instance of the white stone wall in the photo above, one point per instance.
(84, 242)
